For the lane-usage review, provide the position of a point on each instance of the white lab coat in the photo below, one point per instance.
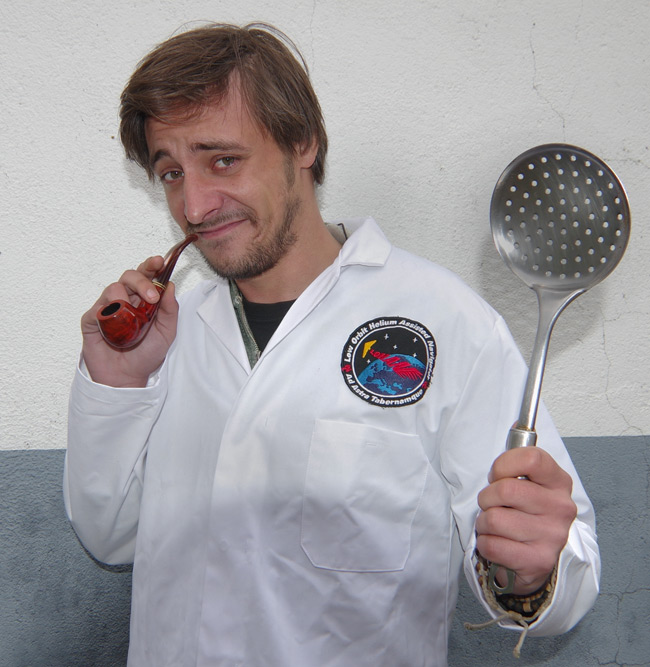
(275, 518)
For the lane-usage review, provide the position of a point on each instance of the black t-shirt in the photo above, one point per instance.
(264, 319)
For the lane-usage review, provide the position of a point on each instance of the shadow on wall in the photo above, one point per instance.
(59, 608)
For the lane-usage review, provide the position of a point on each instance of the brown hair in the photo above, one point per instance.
(189, 71)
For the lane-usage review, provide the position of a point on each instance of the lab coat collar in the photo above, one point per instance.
(366, 243)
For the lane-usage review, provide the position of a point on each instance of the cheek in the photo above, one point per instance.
(176, 206)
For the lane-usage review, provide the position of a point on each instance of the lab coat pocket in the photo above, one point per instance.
(362, 489)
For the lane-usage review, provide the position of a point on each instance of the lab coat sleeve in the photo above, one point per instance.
(108, 431)
(474, 437)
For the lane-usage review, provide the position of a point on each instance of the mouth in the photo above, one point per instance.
(218, 230)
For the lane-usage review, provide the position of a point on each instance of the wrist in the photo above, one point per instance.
(524, 589)
(108, 376)
(526, 606)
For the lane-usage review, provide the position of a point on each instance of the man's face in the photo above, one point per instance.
(231, 184)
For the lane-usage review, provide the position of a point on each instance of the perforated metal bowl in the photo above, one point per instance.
(560, 218)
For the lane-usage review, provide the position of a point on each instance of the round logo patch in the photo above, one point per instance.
(389, 361)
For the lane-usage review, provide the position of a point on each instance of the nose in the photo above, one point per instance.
(201, 198)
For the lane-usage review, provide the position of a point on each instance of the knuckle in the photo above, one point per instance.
(547, 559)
(569, 510)
(552, 538)
(533, 457)
(480, 501)
(494, 520)
(567, 481)
(128, 274)
(509, 491)
(487, 546)
(563, 507)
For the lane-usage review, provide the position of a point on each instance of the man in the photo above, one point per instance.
(295, 459)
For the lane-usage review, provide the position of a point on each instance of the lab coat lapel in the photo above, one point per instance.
(218, 314)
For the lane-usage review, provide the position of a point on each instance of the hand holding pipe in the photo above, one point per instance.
(124, 325)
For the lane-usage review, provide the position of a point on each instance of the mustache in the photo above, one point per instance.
(222, 219)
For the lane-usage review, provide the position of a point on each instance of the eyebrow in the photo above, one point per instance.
(197, 147)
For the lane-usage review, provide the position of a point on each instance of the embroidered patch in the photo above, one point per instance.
(389, 361)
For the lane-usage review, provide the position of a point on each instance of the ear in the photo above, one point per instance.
(306, 154)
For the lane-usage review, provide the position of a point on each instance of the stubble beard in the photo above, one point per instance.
(259, 257)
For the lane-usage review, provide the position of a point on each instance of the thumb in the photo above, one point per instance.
(168, 304)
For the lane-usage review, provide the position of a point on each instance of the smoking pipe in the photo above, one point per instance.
(124, 325)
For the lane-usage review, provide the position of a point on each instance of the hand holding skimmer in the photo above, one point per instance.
(560, 220)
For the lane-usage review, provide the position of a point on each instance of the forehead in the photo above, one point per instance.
(226, 121)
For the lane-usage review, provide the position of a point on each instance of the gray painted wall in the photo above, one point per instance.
(59, 608)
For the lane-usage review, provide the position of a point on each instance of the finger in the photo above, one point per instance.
(519, 526)
(168, 303)
(167, 315)
(138, 284)
(530, 562)
(515, 540)
(506, 552)
(505, 522)
(529, 497)
(520, 494)
(534, 463)
(133, 286)
(151, 265)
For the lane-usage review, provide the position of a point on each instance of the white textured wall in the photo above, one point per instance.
(426, 102)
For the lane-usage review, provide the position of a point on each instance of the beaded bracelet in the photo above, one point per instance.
(527, 606)
(522, 609)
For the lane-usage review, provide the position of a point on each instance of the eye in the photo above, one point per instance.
(171, 175)
(225, 162)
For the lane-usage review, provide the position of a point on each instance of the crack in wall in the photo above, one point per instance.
(311, 28)
(622, 643)
(630, 428)
(536, 85)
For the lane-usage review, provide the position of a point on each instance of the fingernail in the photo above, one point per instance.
(152, 295)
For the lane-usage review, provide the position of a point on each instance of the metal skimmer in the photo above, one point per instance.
(560, 220)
